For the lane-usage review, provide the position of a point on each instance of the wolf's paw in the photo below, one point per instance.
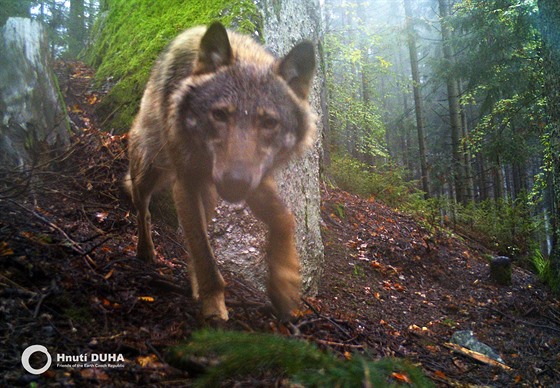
(146, 255)
(214, 307)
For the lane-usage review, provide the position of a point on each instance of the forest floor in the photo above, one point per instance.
(392, 287)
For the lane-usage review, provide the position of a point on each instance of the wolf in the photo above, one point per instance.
(219, 114)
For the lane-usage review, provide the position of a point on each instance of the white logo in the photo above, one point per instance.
(27, 354)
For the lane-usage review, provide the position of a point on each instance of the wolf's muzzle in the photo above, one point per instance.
(235, 184)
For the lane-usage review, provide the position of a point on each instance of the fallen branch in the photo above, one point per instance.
(476, 356)
(332, 343)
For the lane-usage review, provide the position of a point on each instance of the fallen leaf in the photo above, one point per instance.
(401, 377)
(145, 361)
(92, 99)
(5, 250)
(101, 216)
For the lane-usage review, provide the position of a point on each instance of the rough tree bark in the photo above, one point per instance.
(239, 245)
(33, 120)
(295, 20)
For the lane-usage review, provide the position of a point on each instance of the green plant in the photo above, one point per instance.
(255, 354)
(505, 226)
(545, 271)
(339, 209)
(385, 181)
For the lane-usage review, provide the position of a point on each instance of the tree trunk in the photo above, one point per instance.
(299, 183)
(325, 114)
(454, 108)
(418, 104)
(284, 25)
(11, 8)
(497, 179)
(549, 12)
(76, 28)
(469, 181)
(33, 122)
(482, 179)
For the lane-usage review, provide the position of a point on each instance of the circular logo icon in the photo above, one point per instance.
(27, 354)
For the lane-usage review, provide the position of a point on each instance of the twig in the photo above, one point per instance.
(476, 356)
(155, 351)
(38, 307)
(11, 282)
(332, 343)
(524, 322)
(343, 330)
(86, 253)
(73, 244)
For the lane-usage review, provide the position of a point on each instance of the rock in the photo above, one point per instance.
(500, 270)
(33, 119)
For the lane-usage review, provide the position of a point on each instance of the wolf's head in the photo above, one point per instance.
(246, 111)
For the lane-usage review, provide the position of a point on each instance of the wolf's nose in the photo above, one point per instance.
(235, 185)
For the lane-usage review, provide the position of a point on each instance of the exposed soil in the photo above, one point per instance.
(392, 286)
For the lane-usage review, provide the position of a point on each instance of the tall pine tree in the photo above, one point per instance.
(549, 11)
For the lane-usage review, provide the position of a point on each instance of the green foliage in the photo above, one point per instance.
(10, 8)
(504, 226)
(355, 115)
(503, 70)
(340, 212)
(506, 223)
(130, 34)
(385, 182)
(544, 269)
(255, 354)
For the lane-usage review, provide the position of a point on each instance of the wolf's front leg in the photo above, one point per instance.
(284, 282)
(192, 216)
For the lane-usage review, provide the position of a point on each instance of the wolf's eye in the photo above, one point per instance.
(220, 115)
(269, 123)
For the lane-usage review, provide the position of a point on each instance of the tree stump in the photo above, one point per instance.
(500, 270)
(33, 118)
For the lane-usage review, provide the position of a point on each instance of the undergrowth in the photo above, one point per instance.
(504, 226)
(238, 355)
(384, 182)
(545, 271)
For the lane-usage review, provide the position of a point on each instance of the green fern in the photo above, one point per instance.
(241, 355)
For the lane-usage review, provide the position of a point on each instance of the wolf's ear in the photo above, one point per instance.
(215, 50)
(297, 68)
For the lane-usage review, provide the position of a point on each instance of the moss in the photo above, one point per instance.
(130, 34)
